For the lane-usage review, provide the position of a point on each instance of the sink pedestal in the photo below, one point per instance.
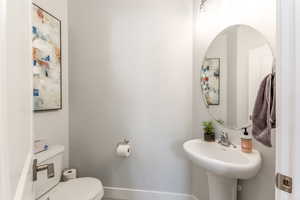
(223, 165)
(221, 188)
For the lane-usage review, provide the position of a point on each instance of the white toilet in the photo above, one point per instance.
(52, 189)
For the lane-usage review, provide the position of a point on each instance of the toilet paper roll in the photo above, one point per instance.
(123, 150)
(69, 174)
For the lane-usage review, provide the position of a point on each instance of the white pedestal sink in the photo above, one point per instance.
(224, 166)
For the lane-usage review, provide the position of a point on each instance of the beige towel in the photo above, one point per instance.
(264, 112)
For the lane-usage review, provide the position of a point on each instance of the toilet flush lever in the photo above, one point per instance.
(36, 168)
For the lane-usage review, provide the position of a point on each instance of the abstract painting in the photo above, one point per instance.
(46, 60)
(210, 80)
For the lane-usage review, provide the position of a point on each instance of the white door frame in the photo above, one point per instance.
(22, 189)
(4, 167)
(288, 85)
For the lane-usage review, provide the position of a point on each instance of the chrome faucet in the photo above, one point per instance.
(224, 140)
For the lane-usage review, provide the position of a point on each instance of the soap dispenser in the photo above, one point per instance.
(246, 141)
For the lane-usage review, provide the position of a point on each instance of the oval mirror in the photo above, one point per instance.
(235, 63)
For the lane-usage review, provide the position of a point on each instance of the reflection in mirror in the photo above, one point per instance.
(235, 64)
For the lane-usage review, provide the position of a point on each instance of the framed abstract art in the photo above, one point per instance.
(46, 60)
(210, 80)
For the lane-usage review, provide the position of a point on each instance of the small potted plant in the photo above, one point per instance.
(208, 128)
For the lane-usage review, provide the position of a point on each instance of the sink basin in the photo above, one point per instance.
(224, 165)
(225, 161)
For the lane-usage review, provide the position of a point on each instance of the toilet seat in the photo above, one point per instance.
(76, 189)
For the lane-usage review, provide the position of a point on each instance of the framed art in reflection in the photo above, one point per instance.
(210, 80)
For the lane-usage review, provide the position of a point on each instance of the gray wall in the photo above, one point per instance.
(54, 125)
(218, 49)
(232, 82)
(131, 77)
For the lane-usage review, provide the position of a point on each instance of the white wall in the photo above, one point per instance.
(54, 125)
(218, 15)
(15, 97)
(131, 77)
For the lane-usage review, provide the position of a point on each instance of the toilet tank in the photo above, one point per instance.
(54, 155)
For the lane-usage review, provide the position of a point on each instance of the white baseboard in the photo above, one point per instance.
(117, 193)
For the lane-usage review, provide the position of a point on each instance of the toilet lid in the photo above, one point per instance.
(76, 189)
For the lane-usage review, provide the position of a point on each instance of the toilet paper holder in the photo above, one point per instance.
(125, 141)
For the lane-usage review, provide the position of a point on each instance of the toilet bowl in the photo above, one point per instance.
(51, 188)
(76, 189)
